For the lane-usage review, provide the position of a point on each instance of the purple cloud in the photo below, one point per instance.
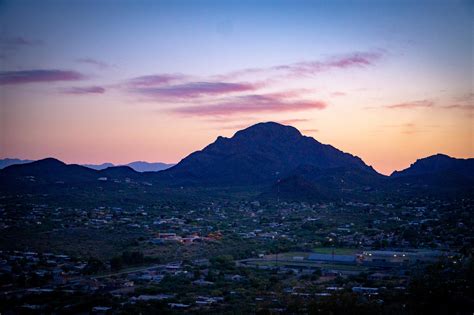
(250, 104)
(307, 68)
(85, 90)
(38, 76)
(195, 89)
(93, 62)
(155, 80)
(412, 104)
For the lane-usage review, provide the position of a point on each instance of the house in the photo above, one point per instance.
(399, 257)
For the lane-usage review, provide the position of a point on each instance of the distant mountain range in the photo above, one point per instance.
(273, 159)
(139, 166)
(7, 162)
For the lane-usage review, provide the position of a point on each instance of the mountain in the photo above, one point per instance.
(7, 162)
(139, 166)
(98, 167)
(266, 159)
(438, 172)
(261, 155)
(49, 171)
(46, 171)
(438, 164)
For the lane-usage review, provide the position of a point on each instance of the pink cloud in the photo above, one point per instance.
(468, 107)
(337, 93)
(195, 89)
(38, 76)
(468, 97)
(155, 80)
(354, 60)
(250, 104)
(310, 130)
(85, 90)
(292, 121)
(412, 104)
(411, 128)
(307, 68)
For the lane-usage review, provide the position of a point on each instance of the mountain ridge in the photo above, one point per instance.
(139, 166)
(267, 158)
(436, 163)
(261, 153)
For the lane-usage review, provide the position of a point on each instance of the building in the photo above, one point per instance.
(400, 257)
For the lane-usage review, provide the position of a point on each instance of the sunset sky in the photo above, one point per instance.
(119, 81)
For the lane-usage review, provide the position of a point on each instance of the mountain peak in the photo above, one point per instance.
(49, 162)
(436, 163)
(259, 154)
(268, 130)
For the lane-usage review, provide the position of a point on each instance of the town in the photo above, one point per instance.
(223, 255)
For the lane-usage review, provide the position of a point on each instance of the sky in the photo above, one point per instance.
(120, 81)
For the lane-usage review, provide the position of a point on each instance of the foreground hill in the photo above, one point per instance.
(438, 164)
(260, 154)
(312, 183)
(49, 171)
(438, 173)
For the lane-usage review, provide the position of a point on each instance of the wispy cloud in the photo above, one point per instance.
(237, 126)
(11, 45)
(309, 68)
(292, 121)
(94, 62)
(411, 128)
(468, 107)
(38, 76)
(173, 87)
(250, 104)
(18, 41)
(358, 59)
(338, 93)
(195, 89)
(84, 90)
(468, 97)
(412, 104)
(155, 80)
(310, 130)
